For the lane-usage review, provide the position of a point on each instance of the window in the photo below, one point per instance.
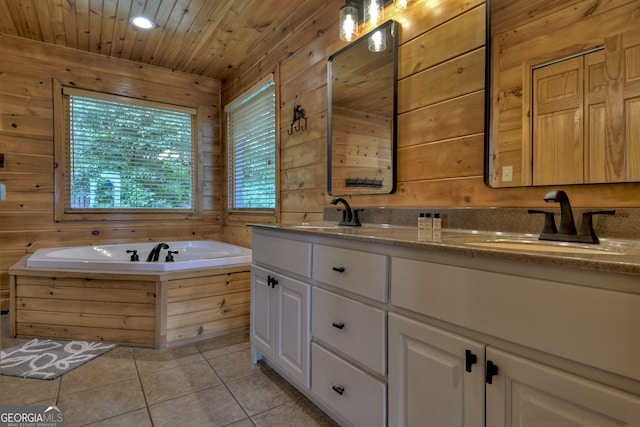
(127, 155)
(251, 135)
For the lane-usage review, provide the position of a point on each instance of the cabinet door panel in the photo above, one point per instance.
(526, 393)
(428, 380)
(293, 327)
(262, 305)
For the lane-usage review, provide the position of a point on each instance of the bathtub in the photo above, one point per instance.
(191, 254)
(97, 293)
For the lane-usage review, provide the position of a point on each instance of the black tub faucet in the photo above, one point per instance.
(349, 216)
(155, 252)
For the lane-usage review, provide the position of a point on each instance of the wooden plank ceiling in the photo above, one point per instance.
(212, 38)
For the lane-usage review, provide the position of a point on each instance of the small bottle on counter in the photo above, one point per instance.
(422, 226)
(436, 227)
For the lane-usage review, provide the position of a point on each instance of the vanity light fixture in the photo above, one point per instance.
(378, 41)
(403, 4)
(348, 22)
(142, 22)
(373, 12)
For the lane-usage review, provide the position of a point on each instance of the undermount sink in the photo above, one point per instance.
(539, 246)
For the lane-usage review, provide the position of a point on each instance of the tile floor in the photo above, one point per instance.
(211, 383)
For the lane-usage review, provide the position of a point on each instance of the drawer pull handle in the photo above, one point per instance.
(338, 325)
(338, 389)
(339, 269)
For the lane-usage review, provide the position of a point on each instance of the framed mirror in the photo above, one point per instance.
(563, 92)
(362, 105)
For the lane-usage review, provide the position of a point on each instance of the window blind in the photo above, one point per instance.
(251, 131)
(128, 154)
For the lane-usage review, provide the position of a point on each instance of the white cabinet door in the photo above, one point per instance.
(526, 393)
(262, 317)
(435, 378)
(293, 336)
(280, 311)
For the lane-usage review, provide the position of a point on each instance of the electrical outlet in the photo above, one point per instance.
(507, 173)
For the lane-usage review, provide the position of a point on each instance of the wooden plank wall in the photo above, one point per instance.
(205, 306)
(26, 140)
(121, 311)
(440, 122)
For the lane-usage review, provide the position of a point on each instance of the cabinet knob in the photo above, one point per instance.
(338, 389)
(338, 325)
(492, 370)
(339, 269)
(272, 281)
(470, 359)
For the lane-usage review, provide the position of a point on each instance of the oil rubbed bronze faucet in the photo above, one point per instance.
(349, 216)
(155, 252)
(567, 231)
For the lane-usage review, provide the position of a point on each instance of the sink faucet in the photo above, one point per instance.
(155, 252)
(567, 231)
(567, 225)
(349, 216)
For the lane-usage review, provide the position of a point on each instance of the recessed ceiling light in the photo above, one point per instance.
(142, 22)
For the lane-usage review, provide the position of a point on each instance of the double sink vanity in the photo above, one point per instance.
(471, 328)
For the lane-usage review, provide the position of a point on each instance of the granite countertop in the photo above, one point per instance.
(613, 255)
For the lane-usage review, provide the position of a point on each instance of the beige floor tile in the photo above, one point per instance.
(301, 413)
(233, 366)
(152, 360)
(25, 391)
(243, 423)
(225, 344)
(114, 366)
(258, 393)
(212, 407)
(103, 402)
(178, 381)
(139, 418)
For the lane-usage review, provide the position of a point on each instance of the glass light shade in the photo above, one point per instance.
(378, 41)
(348, 23)
(403, 4)
(373, 12)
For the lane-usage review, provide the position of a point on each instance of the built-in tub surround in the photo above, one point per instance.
(98, 299)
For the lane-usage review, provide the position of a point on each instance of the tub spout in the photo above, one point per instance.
(155, 252)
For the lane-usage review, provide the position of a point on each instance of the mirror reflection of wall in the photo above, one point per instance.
(564, 96)
(362, 114)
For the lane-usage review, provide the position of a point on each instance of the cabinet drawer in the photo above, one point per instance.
(355, 329)
(360, 272)
(289, 255)
(356, 396)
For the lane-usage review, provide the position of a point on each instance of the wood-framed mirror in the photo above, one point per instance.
(362, 106)
(563, 92)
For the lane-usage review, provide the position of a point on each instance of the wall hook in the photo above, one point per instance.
(298, 116)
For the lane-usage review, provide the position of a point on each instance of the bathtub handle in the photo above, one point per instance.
(134, 255)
